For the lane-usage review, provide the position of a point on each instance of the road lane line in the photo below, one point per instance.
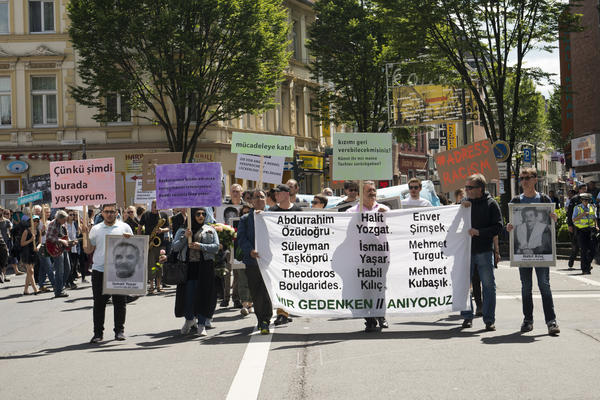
(248, 378)
(555, 296)
(578, 278)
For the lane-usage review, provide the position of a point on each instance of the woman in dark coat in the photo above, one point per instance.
(193, 298)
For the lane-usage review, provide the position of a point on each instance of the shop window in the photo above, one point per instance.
(5, 102)
(118, 109)
(44, 106)
(4, 25)
(41, 16)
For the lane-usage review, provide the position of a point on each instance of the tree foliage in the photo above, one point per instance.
(190, 63)
(485, 41)
(554, 121)
(350, 43)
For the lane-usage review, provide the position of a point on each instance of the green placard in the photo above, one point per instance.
(262, 145)
(362, 156)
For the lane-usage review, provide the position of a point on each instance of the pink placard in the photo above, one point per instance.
(83, 182)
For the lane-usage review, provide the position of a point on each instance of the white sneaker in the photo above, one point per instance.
(207, 323)
(250, 309)
(244, 311)
(185, 329)
(202, 332)
(195, 326)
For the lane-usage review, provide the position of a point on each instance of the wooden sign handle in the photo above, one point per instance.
(33, 232)
(260, 172)
(360, 195)
(85, 223)
(189, 223)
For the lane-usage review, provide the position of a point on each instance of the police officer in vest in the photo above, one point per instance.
(585, 219)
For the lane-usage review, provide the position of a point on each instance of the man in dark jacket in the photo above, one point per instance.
(486, 222)
(573, 202)
(245, 237)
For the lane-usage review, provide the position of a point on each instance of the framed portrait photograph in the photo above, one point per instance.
(226, 212)
(125, 265)
(532, 240)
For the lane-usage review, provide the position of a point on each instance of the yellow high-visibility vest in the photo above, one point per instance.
(589, 221)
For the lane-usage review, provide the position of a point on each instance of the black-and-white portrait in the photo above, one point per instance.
(125, 264)
(226, 212)
(532, 240)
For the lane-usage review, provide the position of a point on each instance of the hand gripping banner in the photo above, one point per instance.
(366, 265)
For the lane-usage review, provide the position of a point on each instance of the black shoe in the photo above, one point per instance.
(119, 336)
(526, 327)
(72, 286)
(238, 304)
(382, 323)
(96, 339)
(263, 327)
(62, 294)
(6, 279)
(281, 319)
(490, 327)
(371, 326)
(224, 303)
(467, 323)
(478, 311)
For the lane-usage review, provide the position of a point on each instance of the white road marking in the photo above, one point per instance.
(554, 296)
(579, 278)
(247, 380)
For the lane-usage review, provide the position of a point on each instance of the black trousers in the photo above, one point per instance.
(263, 308)
(74, 261)
(100, 300)
(587, 248)
(574, 247)
(206, 288)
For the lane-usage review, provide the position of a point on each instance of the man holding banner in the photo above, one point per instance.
(369, 205)
(486, 222)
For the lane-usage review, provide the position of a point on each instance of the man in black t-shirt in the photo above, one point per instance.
(148, 222)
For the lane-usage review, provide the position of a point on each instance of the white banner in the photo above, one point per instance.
(366, 265)
(248, 167)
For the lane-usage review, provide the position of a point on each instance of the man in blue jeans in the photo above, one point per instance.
(57, 236)
(486, 222)
(528, 179)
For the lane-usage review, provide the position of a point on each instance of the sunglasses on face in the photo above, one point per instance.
(526, 178)
(198, 214)
(413, 187)
(109, 212)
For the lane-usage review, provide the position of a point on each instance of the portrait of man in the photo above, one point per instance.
(532, 240)
(126, 265)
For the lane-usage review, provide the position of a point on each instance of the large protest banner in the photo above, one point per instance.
(83, 182)
(247, 166)
(188, 185)
(366, 264)
(362, 156)
(454, 166)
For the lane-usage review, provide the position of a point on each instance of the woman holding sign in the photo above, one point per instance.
(194, 297)
(29, 247)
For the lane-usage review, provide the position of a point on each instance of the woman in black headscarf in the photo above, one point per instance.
(194, 297)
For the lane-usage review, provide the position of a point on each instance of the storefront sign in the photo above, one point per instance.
(584, 150)
(262, 145)
(133, 163)
(454, 166)
(452, 143)
(362, 156)
(312, 162)
(203, 156)
(83, 182)
(37, 156)
(366, 265)
(248, 166)
(188, 185)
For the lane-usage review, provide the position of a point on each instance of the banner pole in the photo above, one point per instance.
(360, 195)
(189, 223)
(33, 233)
(260, 172)
(85, 223)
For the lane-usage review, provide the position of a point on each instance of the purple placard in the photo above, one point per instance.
(188, 185)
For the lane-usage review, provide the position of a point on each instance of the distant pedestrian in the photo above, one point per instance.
(573, 202)
(414, 199)
(585, 219)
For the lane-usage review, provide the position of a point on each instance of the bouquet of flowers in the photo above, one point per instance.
(226, 234)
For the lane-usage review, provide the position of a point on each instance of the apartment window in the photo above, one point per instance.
(296, 39)
(5, 111)
(43, 93)
(118, 109)
(4, 16)
(41, 16)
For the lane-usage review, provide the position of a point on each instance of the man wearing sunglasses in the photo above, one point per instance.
(415, 200)
(585, 219)
(528, 180)
(486, 222)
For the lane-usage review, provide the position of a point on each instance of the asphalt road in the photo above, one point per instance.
(44, 351)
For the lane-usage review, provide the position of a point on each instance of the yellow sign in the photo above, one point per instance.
(326, 128)
(451, 136)
(312, 162)
(429, 105)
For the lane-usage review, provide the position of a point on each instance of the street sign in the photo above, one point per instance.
(501, 150)
(527, 155)
(434, 144)
(503, 169)
(30, 198)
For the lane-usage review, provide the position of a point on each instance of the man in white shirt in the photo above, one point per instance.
(415, 200)
(369, 205)
(96, 245)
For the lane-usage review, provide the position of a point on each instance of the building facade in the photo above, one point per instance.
(41, 122)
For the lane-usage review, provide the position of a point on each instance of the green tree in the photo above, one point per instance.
(189, 63)
(554, 121)
(350, 43)
(484, 40)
